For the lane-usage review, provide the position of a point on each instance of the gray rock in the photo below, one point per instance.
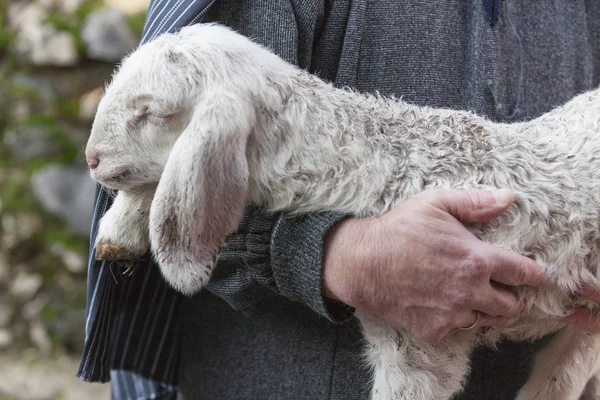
(38, 42)
(9, 223)
(30, 142)
(107, 35)
(78, 136)
(31, 310)
(40, 337)
(67, 6)
(67, 192)
(88, 104)
(27, 225)
(6, 338)
(34, 84)
(130, 7)
(14, 242)
(73, 261)
(71, 325)
(44, 45)
(24, 285)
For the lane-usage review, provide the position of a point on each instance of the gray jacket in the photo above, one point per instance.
(263, 330)
(506, 60)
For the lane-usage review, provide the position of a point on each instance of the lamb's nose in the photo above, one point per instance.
(93, 162)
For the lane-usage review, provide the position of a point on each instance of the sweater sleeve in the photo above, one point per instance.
(297, 260)
(274, 258)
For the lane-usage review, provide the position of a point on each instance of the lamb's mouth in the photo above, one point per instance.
(116, 179)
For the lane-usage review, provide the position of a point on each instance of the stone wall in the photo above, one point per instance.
(55, 56)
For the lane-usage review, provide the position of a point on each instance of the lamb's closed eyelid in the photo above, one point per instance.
(160, 120)
(144, 113)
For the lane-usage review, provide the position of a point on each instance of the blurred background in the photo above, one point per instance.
(55, 57)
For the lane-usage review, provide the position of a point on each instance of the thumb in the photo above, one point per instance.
(474, 205)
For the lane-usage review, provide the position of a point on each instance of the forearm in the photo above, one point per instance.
(276, 255)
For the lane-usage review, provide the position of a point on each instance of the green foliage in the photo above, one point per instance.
(50, 315)
(20, 91)
(73, 23)
(136, 23)
(55, 108)
(66, 151)
(16, 192)
(67, 107)
(16, 196)
(67, 23)
(52, 114)
(58, 233)
(87, 8)
(4, 101)
(5, 35)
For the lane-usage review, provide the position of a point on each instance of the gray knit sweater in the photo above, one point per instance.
(264, 331)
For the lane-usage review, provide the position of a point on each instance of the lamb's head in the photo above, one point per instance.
(180, 113)
(145, 109)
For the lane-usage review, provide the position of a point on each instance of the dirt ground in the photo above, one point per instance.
(46, 380)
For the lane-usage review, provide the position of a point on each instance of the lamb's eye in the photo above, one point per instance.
(158, 119)
(144, 114)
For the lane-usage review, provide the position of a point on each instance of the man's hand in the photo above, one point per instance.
(419, 268)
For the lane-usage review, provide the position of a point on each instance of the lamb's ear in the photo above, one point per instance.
(200, 197)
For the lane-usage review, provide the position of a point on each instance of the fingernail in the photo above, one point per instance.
(503, 196)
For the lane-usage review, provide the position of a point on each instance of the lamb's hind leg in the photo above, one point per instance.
(406, 368)
(123, 232)
(592, 388)
(564, 367)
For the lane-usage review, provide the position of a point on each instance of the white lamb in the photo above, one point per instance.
(196, 124)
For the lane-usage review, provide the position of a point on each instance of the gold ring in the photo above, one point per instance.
(474, 324)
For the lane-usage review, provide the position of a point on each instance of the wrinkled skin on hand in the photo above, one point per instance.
(419, 268)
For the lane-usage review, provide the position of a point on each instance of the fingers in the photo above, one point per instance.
(480, 206)
(513, 269)
(488, 320)
(472, 205)
(590, 291)
(500, 302)
(469, 318)
(467, 321)
(585, 319)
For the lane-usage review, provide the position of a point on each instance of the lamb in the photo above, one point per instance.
(196, 124)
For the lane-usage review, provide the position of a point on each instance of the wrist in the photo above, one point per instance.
(344, 248)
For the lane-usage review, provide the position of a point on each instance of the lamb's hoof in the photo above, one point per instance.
(115, 252)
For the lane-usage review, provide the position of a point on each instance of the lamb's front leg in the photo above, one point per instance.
(406, 368)
(123, 231)
(564, 367)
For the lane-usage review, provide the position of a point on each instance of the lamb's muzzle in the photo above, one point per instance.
(246, 126)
